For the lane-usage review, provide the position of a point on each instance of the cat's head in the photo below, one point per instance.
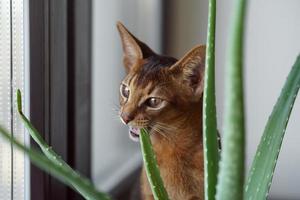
(157, 89)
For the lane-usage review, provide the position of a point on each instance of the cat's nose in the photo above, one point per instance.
(126, 118)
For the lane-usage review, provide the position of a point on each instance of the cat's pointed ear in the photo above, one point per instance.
(190, 69)
(134, 50)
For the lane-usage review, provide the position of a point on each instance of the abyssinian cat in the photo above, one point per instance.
(164, 95)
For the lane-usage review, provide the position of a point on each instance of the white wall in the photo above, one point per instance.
(113, 154)
(272, 44)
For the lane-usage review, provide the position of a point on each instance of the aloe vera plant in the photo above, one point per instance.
(59, 170)
(152, 170)
(231, 175)
(47, 150)
(261, 173)
(210, 140)
(52, 162)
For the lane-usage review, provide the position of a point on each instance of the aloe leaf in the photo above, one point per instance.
(53, 157)
(231, 175)
(210, 137)
(263, 166)
(69, 177)
(152, 171)
(47, 150)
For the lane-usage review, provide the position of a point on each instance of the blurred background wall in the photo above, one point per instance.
(114, 155)
(272, 44)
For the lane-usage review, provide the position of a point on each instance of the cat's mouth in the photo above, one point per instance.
(134, 133)
(135, 128)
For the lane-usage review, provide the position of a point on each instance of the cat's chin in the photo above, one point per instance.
(134, 133)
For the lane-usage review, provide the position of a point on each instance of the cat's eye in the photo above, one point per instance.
(124, 91)
(154, 102)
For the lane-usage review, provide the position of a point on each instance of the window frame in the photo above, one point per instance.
(60, 87)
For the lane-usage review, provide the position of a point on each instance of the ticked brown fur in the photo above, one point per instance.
(176, 127)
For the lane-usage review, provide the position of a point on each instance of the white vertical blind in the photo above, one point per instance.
(11, 79)
(5, 99)
(17, 83)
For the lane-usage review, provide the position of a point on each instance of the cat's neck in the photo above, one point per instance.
(185, 137)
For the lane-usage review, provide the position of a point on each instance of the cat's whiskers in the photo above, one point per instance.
(116, 108)
(117, 119)
(139, 123)
(116, 112)
(160, 132)
(166, 127)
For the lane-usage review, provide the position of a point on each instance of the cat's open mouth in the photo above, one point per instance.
(134, 133)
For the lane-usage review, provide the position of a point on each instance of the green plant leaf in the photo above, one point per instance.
(263, 166)
(69, 177)
(78, 182)
(152, 171)
(210, 137)
(231, 175)
(47, 150)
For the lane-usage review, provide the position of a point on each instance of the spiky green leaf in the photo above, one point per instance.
(210, 138)
(152, 171)
(231, 176)
(78, 182)
(263, 166)
(36, 136)
(65, 175)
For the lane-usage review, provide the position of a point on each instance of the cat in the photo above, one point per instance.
(164, 95)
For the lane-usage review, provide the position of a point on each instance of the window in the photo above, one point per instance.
(12, 161)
